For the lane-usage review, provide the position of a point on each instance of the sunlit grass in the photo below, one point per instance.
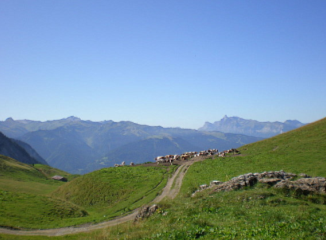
(253, 213)
(92, 198)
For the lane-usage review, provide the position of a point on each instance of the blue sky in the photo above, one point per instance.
(167, 63)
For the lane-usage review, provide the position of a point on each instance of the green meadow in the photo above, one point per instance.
(260, 212)
(30, 199)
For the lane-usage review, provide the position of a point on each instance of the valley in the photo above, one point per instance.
(170, 191)
(258, 211)
(79, 147)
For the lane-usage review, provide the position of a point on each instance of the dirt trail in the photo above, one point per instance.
(168, 192)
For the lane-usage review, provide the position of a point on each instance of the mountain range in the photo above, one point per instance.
(79, 146)
(19, 150)
(251, 127)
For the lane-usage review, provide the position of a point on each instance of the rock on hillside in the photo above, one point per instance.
(278, 179)
(251, 127)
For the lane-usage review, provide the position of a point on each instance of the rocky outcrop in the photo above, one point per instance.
(278, 179)
(145, 212)
(305, 185)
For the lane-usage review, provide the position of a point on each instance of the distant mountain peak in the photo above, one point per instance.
(73, 118)
(10, 119)
(255, 128)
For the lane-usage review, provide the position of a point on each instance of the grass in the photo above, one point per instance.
(23, 178)
(13, 169)
(259, 213)
(299, 151)
(21, 210)
(50, 172)
(29, 199)
(253, 213)
(115, 191)
(31, 187)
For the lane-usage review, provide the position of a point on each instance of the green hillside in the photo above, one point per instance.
(252, 213)
(24, 196)
(114, 191)
(29, 198)
(20, 177)
(301, 150)
(257, 213)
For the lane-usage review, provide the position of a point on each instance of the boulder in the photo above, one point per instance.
(270, 181)
(278, 179)
(145, 212)
(305, 185)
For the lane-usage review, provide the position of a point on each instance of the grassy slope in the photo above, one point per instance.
(258, 213)
(299, 151)
(112, 191)
(20, 177)
(27, 199)
(23, 195)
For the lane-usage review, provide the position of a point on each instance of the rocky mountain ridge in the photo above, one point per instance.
(251, 127)
(79, 146)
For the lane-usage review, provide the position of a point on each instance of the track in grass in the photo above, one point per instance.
(168, 192)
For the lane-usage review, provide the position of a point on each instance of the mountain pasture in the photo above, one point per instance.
(114, 191)
(31, 199)
(259, 212)
(301, 150)
(20, 177)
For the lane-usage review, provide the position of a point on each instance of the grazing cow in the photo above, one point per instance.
(185, 156)
(132, 164)
(233, 150)
(176, 157)
(160, 159)
(169, 158)
(221, 154)
(120, 165)
(211, 152)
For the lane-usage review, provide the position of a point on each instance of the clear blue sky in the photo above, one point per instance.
(169, 63)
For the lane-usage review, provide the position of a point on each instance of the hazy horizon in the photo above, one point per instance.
(137, 122)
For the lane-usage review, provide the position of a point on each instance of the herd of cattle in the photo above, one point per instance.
(185, 156)
(123, 164)
(188, 155)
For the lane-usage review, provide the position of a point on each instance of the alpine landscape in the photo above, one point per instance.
(109, 199)
(162, 120)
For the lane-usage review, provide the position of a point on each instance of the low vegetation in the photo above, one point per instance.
(31, 199)
(300, 151)
(23, 178)
(50, 172)
(114, 191)
(260, 212)
(22, 210)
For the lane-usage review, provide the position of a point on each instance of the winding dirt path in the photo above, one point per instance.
(171, 190)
